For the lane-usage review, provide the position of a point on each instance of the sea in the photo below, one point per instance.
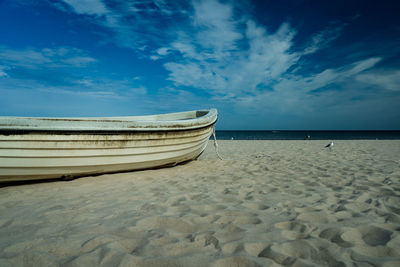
(303, 134)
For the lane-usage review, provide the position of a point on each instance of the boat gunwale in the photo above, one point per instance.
(141, 125)
(6, 132)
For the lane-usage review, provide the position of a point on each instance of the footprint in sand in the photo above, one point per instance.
(392, 203)
(256, 206)
(375, 236)
(300, 253)
(236, 261)
(277, 257)
(205, 240)
(232, 247)
(255, 248)
(244, 220)
(362, 207)
(370, 241)
(168, 223)
(317, 217)
(294, 229)
(239, 218)
(334, 235)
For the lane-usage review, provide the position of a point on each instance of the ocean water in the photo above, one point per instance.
(301, 135)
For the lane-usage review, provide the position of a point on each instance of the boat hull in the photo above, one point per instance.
(53, 155)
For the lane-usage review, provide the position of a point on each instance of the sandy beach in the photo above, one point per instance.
(267, 203)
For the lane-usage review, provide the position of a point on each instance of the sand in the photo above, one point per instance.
(267, 203)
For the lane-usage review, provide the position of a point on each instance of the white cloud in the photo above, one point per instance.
(160, 52)
(78, 61)
(211, 46)
(85, 82)
(228, 70)
(326, 77)
(192, 74)
(254, 67)
(268, 56)
(216, 27)
(363, 65)
(33, 58)
(215, 46)
(132, 23)
(163, 51)
(90, 7)
(28, 58)
(184, 46)
(86, 93)
(2, 71)
(389, 80)
(154, 57)
(296, 93)
(141, 90)
(88, 87)
(322, 39)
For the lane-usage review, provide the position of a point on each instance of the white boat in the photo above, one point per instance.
(50, 148)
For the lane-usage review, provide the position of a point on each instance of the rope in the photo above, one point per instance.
(216, 144)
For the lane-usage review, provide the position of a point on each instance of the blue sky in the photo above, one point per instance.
(263, 64)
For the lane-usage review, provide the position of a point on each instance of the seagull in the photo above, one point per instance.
(330, 145)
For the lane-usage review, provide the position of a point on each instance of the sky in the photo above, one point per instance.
(265, 65)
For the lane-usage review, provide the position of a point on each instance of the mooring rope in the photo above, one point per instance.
(216, 144)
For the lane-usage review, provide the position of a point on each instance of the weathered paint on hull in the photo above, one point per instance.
(33, 156)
